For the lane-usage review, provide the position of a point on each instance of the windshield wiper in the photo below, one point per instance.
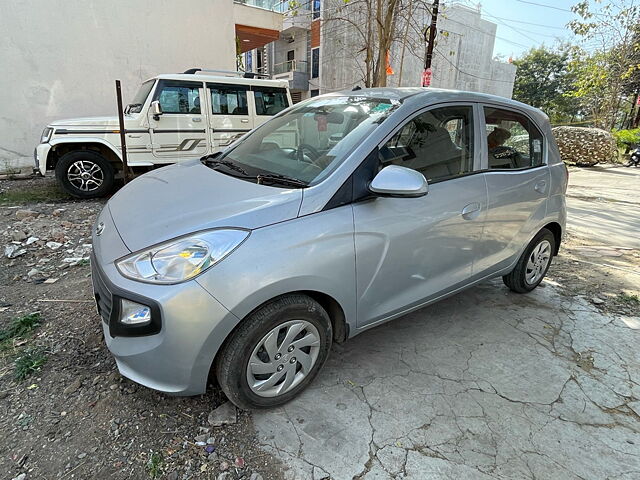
(281, 179)
(261, 179)
(213, 162)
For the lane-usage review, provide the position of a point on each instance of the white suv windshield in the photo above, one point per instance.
(310, 140)
(138, 101)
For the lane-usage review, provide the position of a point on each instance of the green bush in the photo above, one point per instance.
(626, 138)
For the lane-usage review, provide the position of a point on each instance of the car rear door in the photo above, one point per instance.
(180, 132)
(230, 117)
(518, 180)
(411, 250)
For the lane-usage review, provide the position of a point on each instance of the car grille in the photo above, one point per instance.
(104, 298)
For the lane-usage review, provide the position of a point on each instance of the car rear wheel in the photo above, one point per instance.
(533, 263)
(85, 174)
(275, 353)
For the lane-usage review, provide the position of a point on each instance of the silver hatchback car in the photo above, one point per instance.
(342, 212)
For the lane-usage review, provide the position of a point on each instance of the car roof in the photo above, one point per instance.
(427, 96)
(200, 77)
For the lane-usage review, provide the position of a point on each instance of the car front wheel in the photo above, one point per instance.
(533, 264)
(275, 353)
(85, 174)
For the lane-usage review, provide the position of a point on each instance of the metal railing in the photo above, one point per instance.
(290, 66)
(273, 5)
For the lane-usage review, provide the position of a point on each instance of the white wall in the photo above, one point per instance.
(59, 58)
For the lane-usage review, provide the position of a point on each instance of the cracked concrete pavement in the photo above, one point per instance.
(486, 384)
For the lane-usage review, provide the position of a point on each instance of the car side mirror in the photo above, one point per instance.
(397, 181)
(156, 109)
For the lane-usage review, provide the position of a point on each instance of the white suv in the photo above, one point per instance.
(167, 122)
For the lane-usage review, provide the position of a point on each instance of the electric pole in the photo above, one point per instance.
(426, 75)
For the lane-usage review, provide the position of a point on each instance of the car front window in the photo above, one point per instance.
(310, 140)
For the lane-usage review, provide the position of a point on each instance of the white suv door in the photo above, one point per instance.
(180, 131)
(229, 116)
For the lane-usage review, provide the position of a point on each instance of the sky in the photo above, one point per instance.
(513, 37)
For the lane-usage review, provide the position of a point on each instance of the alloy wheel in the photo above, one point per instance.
(85, 175)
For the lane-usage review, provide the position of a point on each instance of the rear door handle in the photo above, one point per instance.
(541, 186)
(471, 211)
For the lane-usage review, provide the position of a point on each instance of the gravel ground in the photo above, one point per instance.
(75, 416)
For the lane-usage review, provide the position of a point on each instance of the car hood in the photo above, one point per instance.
(188, 197)
(89, 122)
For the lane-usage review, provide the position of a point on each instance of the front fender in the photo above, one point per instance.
(83, 141)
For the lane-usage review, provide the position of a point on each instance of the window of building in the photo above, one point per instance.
(315, 93)
(291, 54)
(315, 8)
(229, 99)
(513, 141)
(178, 98)
(248, 62)
(270, 101)
(437, 143)
(315, 63)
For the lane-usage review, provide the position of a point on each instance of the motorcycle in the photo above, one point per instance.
(634, 159)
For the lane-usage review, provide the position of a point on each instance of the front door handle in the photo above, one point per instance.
(541, 186)
(245, 120)
(471, 211)
(196, 119)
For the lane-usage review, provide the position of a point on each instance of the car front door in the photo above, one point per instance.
(229, 117)
(180, 131)
(411, 250)
(517, 180)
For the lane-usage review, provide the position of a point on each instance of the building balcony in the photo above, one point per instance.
(295, 71)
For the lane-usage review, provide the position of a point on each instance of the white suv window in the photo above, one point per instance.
(178, 98)
(229, 99)
(270, 101)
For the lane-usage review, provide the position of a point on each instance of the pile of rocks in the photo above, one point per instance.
(585, 147)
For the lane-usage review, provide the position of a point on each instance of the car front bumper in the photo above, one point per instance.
(40, 157)
(177, 359)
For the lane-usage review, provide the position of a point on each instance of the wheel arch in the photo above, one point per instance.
(63, 146)
(333, 308)
(556, 229)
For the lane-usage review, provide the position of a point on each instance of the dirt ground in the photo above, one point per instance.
(76, 417)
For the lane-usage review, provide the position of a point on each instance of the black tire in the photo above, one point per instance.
(233, 359)
(517, 279)
(105, 172)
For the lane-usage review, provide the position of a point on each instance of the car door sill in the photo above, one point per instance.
(442, 296)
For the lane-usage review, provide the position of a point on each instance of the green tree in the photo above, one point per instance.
(605, 75)
(544, 80)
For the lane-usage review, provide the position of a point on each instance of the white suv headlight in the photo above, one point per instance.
(183, 258)
(46, 135)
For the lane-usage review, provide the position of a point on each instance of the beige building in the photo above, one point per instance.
(59, 58)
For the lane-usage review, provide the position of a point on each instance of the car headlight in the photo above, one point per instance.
(183, 258)
(46, 135)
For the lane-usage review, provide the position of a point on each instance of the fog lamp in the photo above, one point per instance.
(132, 313)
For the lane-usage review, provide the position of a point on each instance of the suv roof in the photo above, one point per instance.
(202, 77)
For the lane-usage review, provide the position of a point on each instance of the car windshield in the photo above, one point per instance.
(138, 101)
(309, 141)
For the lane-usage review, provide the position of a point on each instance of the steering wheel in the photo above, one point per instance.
(313, 153)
